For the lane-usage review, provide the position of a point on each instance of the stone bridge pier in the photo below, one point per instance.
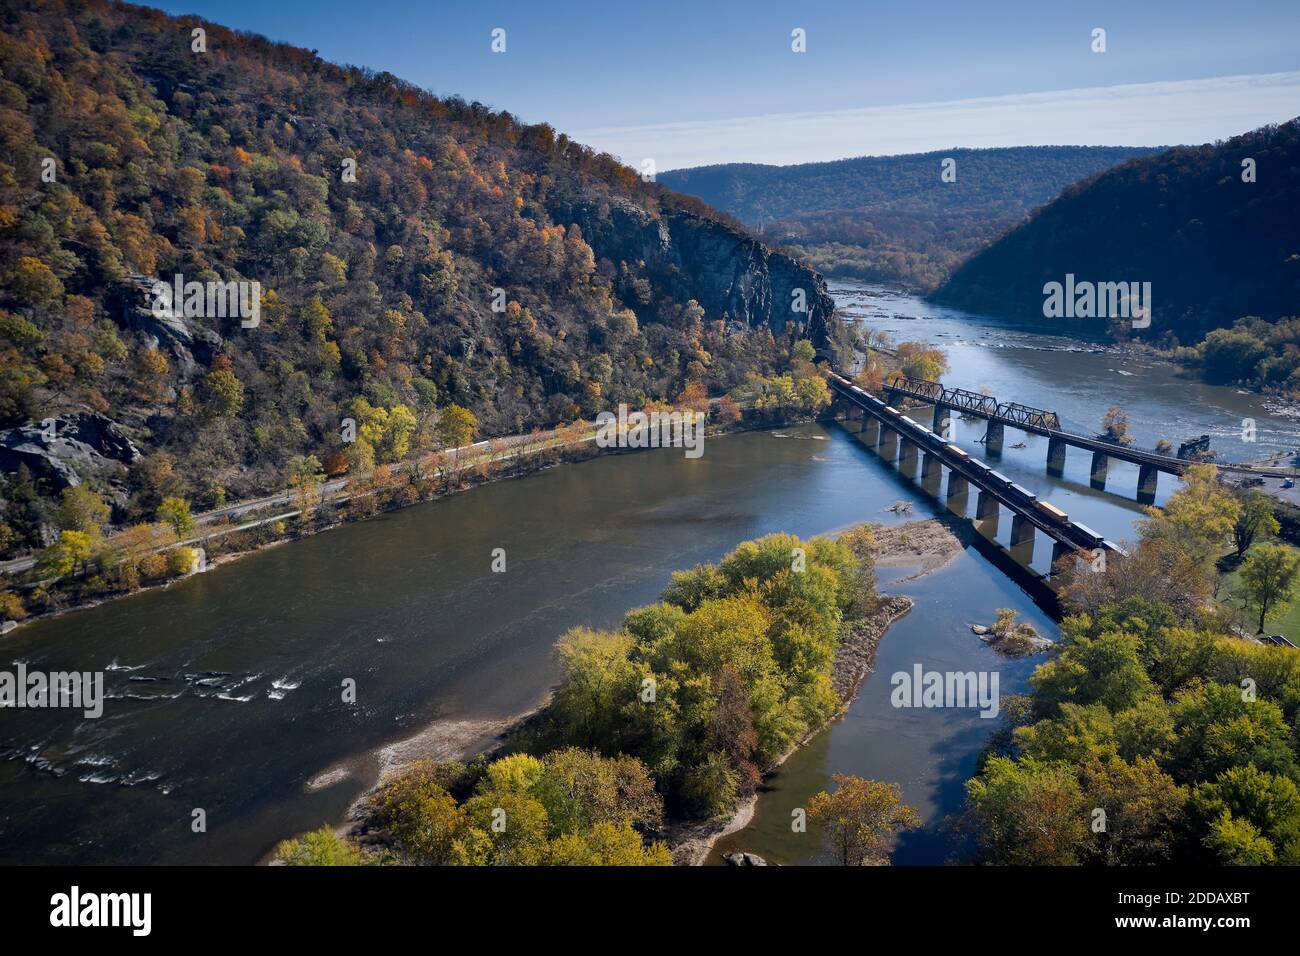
(1056, 457)
(993, 439)
(908, 454)
(1148, 477)
(888, 443)
(1098, 476)
(1022, 539)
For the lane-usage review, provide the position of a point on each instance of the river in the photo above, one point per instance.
(225, 689)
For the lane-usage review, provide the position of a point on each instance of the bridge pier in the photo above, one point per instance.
(942, 417)
(888, 443)
(986, 507)
(993, 439)
(908, 453)
(870, 433)
(1056, 457)
(1059, 551)
(1022, 539)
(958, 486)
(1099, 462)
(931, 469)
(1148, 476)
(1022, 530)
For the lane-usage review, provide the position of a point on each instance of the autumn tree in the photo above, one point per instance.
(1197, 519)
(456, 426)
(861, 819)
(70, 552)
(305, 475)
(1114, 426)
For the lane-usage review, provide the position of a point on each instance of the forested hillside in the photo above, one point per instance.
(1212, 228)
(378, 220)
(893, 218)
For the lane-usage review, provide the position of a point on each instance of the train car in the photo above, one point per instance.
(1000, 478)
(1094, 539)
(1049, 509)
(980, 466)
(911, 421)
(1023, 493)
(958, 452)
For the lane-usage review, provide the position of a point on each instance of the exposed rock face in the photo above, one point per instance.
(188, 344)
(729, 273)
(744, 859)
(84, 444)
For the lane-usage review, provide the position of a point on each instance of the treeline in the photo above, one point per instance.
(378, 220)
(1157, 735)
(892, 218)
(1253, 352)
(675, 716)
(1210, 227)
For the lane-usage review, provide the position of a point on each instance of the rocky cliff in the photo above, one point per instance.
(730, 273)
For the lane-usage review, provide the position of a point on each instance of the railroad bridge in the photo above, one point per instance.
(1038, 421)
(897, 437)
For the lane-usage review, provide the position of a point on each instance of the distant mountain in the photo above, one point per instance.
(894, 218)
(1213, 246)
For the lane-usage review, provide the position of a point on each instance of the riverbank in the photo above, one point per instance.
(391, 488)
(691, 843)
(928, 544)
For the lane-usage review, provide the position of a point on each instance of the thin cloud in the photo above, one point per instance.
(1182, 111)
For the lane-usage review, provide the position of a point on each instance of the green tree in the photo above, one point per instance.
(1256, 519)
(83, 510)
(1144, 812)
(321, 847)
(861, 819)
(221, 393)
(176, 512)
(1268, 804)
(1027, 813)
(1268, 579)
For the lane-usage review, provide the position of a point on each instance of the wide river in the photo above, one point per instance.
(226, 689)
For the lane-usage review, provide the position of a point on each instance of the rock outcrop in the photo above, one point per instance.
(730, 274)
(190, 346)
(82, 445)
(744, 859)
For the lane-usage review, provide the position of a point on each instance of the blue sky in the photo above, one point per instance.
(711, 81)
